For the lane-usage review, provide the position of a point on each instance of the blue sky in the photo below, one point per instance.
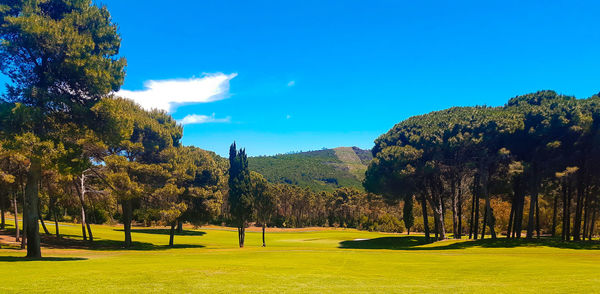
(280, 76)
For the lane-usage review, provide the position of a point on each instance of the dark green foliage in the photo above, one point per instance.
(516, 150)
(240, 194)
(321, 170)
(61, 57)
(240, 190)
(265, 202)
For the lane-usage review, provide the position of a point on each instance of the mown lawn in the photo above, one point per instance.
(207, 260)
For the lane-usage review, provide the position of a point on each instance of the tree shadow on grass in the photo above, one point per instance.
(394, 243)
(165, 232)
(22, 259)
(69, 242)
(415, 242)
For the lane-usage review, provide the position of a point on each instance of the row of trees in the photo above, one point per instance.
(61, 58)
(537, 145)
(136, 164)
(172, 185)
(251, 197)
(62, 135)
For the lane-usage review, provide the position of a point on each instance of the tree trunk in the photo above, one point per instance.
(472, 216)
(31, 209)
(564, 234)
(56, 223)
(569, 200)
(83, 230)
(459, 204)
(84, 223)
(532, 204)
(53, 209)
(2, 212)
(440, 232)
(24, 222)
(454, 212)
(593, 223)
(517, 219)
(263, 234)
(179, 227)
(436, 225)
(43, 224)
(24, 237)
(511, 217)
(586, 216)
(425, 218)
(127, 217)
(485, 217)
(15, 208)
(520, 211)
(89, 229)
(537, 218)
(578, 210)
(241, 235)
(172, 235)
(567, 212)
(476, 195)
(489, 219)
(554, 216)
(443, 214)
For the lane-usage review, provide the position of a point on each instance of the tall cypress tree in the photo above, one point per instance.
(240, 196)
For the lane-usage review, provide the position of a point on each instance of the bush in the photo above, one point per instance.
(388, 223)
(98, 216)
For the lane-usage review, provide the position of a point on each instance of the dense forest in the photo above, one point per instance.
(321, 170)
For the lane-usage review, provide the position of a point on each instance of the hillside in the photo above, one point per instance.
(321, 170)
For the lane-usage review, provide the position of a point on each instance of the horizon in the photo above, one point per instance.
(278, 77)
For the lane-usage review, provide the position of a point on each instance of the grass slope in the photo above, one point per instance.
(313, 260)
(322, 170)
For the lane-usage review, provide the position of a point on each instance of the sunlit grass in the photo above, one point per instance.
(208, 260)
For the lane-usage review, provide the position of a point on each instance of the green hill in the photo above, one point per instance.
(321, 170)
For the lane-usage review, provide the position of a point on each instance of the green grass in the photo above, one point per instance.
(207, 260)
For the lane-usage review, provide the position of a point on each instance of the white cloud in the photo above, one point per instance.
(288, 116)
(168, 94)
(202, 119)
(291, 83)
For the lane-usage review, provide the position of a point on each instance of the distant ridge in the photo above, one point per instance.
(320, 170)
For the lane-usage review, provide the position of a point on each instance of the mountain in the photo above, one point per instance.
(321, 170)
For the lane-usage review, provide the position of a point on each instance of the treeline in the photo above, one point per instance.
(251, 197)
(132, 167)
(344, 207)
(539, 154)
